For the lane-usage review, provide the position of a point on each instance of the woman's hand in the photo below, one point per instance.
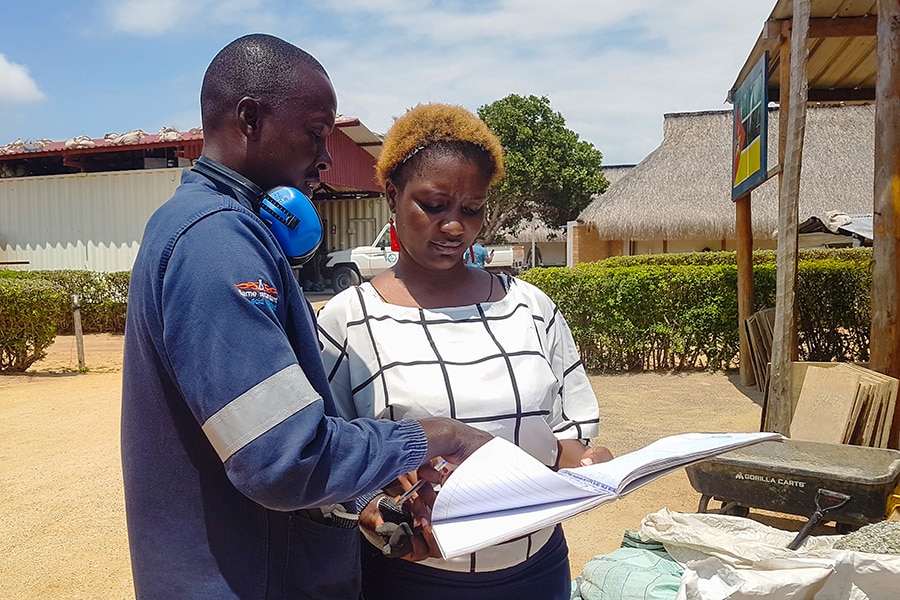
(572, 453)
(595, 454)
(424, 544)
(369, 520)
(401, 484)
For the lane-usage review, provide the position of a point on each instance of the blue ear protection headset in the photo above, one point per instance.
(287, 211)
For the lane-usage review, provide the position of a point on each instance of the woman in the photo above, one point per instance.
(433, 336)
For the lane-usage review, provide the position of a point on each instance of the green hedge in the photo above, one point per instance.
(35, 306)
(679, 311)
(667, 311)
(103, 298)
(30, 308)
(860, 255)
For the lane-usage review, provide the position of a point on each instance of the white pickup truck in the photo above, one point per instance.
(351, 267)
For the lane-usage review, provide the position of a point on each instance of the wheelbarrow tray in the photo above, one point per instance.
(785, 477)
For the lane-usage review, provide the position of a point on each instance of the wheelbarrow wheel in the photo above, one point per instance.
(734, 509)
(845, 528)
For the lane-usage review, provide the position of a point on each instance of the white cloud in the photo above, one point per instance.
(507, 19)
(612, 69)
(149, 17)
(16, 85)
(157, 17)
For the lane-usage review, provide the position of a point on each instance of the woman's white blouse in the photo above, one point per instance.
(508, 367)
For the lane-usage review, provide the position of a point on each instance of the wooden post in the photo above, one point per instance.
(784, 340)
(784, 111)
(885, 338)
(784, 95)
(744, 228)
(79, 337)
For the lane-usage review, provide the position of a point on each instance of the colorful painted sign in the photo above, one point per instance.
(751, 125)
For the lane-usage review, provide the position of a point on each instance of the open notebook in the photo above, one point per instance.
(501, 492)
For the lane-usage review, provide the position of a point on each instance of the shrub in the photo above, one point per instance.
(29, 311)
(103, 298)
(834, 310)
(679, 311)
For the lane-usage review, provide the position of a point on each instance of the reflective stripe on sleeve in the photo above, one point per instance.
(258, 410)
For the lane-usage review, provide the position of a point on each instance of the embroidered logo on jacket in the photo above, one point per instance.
(259, 292)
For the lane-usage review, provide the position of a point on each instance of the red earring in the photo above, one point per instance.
(395, 241)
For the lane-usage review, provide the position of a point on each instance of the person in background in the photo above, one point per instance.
(477, 255)
(234, 459)
(434, 336)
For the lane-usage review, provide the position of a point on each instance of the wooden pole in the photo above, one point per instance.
(885, 338)
(744, 227)
(783, 127)
(784, 341)
(79, 337)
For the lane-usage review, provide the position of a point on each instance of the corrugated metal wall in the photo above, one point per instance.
(95, 221)
(90, 221)
(351, 223)
(352, 167)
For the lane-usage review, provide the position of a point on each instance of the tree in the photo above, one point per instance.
(550, 172)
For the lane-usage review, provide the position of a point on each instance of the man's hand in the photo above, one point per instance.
(453, 440)
(402, 531)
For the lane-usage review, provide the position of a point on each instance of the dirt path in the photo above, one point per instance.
(62, 520)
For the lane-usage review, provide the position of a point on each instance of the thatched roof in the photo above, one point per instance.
(541, 233)
(683, 188)
(613, 173)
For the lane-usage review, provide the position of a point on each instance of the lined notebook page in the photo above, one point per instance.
(497, 477)
(461, 536)
(500, 492)
(630, 471)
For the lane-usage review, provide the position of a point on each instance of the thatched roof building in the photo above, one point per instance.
(544, 233)
(682, 189)
(614, 173)
(541, 232)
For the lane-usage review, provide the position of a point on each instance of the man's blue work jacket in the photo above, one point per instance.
(227, 417)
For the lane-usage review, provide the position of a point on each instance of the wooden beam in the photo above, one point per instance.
(776, 31)
(843, 27)
(834, 95)
(842, 95)
(744, 227)
(885, 338)
(784, 344)
(824, 27)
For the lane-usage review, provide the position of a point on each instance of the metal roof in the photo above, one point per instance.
(352, 175)
(842, 49)
(359, 133)
(136, 140)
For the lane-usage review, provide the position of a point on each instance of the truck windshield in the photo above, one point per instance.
(384, 240)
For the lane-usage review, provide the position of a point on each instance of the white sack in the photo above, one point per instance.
(733, 558)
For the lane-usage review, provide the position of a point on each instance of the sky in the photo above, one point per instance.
(612, 68)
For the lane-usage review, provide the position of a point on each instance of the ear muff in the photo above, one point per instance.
(287, 211)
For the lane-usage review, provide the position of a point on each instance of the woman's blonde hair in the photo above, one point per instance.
(436, 123)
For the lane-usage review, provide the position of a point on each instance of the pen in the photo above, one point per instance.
(408, 493)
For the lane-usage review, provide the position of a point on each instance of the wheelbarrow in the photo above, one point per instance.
(786, 477)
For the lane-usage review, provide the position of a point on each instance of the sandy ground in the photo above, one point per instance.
(62, 519)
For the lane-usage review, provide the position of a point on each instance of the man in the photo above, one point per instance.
(229, 445)
(477, 255)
